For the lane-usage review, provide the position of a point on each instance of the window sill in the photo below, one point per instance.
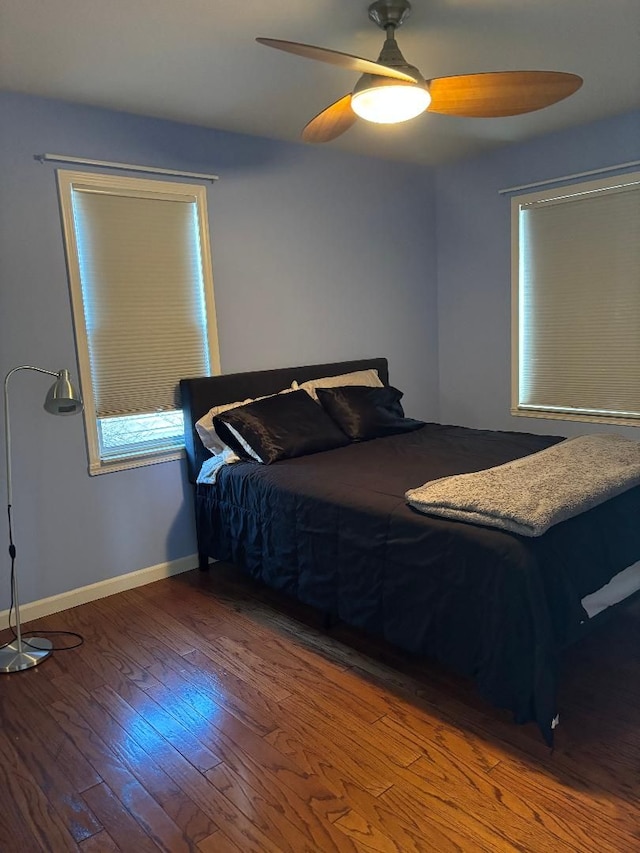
(575, 416)
(126, 462)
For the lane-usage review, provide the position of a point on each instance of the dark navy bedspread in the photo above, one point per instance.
(333, 530)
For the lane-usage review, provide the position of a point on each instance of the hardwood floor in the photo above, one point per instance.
(204, 713)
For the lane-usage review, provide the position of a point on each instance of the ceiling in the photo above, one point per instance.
(197, 61)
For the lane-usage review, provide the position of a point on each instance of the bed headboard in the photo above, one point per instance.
(201, 393)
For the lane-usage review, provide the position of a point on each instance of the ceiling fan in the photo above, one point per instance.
(390, 90)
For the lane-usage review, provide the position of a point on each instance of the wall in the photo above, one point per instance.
(474, 266)
(318, 256)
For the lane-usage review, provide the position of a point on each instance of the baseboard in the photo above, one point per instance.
(84, 594)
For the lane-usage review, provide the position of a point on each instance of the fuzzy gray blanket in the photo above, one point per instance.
(531, 494)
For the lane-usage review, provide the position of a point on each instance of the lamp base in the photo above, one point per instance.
(13, 660)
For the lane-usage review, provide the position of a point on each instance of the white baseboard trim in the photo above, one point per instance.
(84, 594)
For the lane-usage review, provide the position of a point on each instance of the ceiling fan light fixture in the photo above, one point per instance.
(388, 101)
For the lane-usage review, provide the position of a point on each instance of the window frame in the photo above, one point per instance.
(70, 180)
(517, 202)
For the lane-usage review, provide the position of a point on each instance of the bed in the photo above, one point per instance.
(334, 530)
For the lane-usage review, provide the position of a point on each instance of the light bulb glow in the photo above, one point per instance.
(390, 104)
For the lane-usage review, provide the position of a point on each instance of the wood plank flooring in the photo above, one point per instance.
(205, 713)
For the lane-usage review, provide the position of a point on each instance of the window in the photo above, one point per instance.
(143, 308)
(576, 302)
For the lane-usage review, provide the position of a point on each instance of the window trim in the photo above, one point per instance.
(517, 202)
(70, 180)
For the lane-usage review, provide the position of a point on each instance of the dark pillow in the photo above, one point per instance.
(279, 427)
(364, 413)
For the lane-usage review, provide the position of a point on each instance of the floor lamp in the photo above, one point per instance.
(62, 399)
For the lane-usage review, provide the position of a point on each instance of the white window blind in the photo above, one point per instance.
(143, 305)
(577, 330)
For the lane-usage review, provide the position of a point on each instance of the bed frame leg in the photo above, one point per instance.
(203, 561)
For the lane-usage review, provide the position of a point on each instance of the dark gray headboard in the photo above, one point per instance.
(201, 393)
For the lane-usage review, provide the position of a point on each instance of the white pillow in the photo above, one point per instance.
(205, 429)
(358, 377)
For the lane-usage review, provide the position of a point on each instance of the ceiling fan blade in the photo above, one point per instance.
(331, 122)
(500, 93)
(334, 57)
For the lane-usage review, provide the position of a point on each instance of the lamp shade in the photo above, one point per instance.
(62, 398)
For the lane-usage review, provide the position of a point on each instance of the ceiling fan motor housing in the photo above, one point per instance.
(391, 56)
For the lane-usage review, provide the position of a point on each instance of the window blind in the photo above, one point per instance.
(141, 274)
(579, 302)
